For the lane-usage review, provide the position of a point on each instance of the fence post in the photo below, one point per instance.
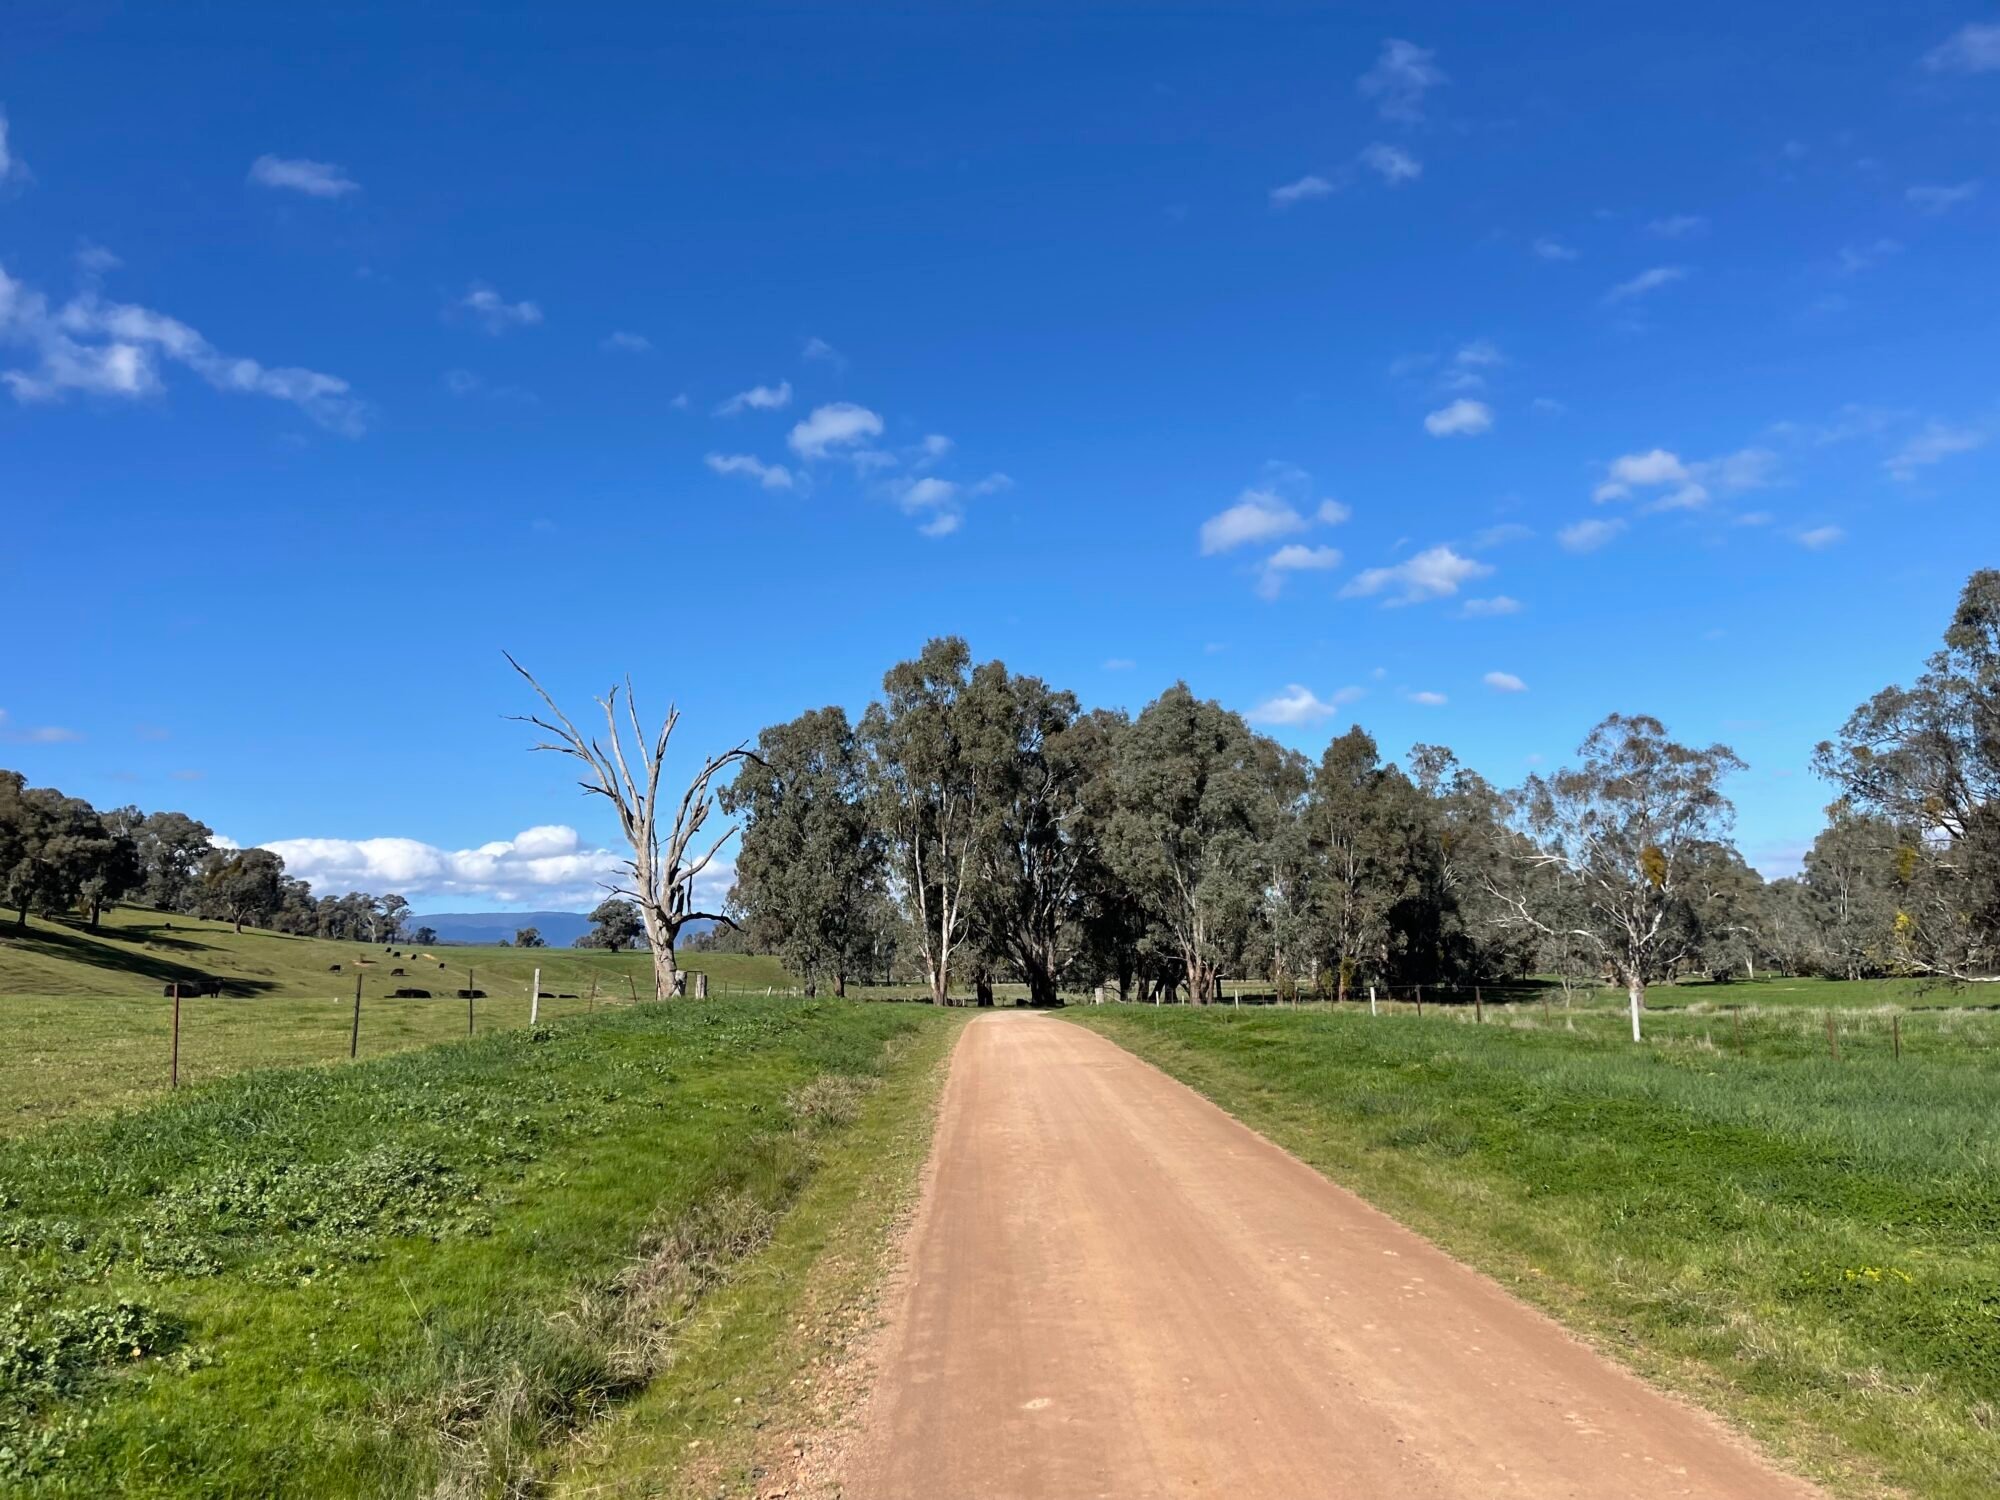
(535, 1004)
(1832, 1042)
(1420, 1000)
(1896, 1035)
(593, 992)
(174, 1067)
(631, 991)
(354, 1036)
(1546, 1015)
(1478, 1006)
(701, 984)
(1371, 1000)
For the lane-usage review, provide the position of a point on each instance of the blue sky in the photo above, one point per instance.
(1457, 373)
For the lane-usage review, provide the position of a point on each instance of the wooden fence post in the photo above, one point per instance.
(1478, 1006)
(593, 992)
(174, 1066)
(1420, 1001)
(1896, 1035)
(535, 1004)
(354, 1036)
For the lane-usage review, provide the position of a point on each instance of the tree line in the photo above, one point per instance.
(59, 855)
(977, 824)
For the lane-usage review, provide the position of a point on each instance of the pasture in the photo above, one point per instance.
(1810, 1246)
(89, 1027)
(424, 1274)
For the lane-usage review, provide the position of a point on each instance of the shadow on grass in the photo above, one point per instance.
(74, 943)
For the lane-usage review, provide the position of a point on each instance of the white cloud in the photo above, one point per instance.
(942, 501)
(1393, 164)
(1436, 573)
(1937, 198)
(35, 734)
(1588, 536)
(1973, 48)
(495, 313)
(1332, 513)
(1688, 485)
(1644, 282)
(819, 349)
(1677, 226)
(1257, 516)
(1429, 699)
(105, 348)
(771, 476)
(1854, 259)
(1120, 664)
(10, 164)
(549, 862)
(465, 383)
(944, 523)
(1402, 75)
(1820, 538)
(992, 484)
(840, 424)
(1937, 442)
(1460, 419)
(1493, 608)
(757, 398)
(1504, 682)
(619, 341)
(316, 179)
(1295, 557)
(1300, 705)
(1550, 248)
(1302, 191)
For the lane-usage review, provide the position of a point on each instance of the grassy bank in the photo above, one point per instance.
(1810, 1247)
(89, 1027)
(420, 1275)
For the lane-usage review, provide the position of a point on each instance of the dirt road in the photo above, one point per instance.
(1114, 1289)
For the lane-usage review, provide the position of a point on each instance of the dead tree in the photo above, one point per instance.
(661, 868)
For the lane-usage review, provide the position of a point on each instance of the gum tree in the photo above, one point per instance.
(1629, 827)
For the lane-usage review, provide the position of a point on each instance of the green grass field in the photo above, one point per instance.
(1810, 1247)
(91, 1029)
(424, 1274)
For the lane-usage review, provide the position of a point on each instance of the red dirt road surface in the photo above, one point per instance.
(1114, 1289)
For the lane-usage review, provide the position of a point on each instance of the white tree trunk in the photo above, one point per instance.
(1635, 989)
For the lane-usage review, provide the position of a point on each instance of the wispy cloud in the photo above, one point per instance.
(819, 349)
(1938, 198)
(1588, 536)
(1504, 682)
(1392, 164)
(35, 734)
(11, 166)
(495, 313)
(1294, 557)
(1677, 227)
(1462, 418)
(757, 398)
(1820, 538)
(770, 476)
(1684, 486)
(1490, 609)
(100, 348)
(1646, 281)
(1851, 260)
(1973, 48)
(839, 424)
(620, 341)
(1429, 699)
(316, 179)
(1304, 190)
(1436, 573)
(1257, 516)
(1548, 247)
(1299, 704)
(1119, 664)
(1933, 445)
(1401, 79)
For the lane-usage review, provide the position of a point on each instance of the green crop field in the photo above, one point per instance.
(430, 1273)
(1809, 1246)
(91, 1029)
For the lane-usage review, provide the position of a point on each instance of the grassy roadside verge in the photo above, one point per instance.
(419, 1275)
(762, 1363)
(1811, 1249)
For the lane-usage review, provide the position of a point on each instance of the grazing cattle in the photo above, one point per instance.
(333, 968)
(395, 973)
(193, 988)
(410, 995)
(472, 994)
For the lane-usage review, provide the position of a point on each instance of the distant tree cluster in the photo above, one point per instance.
(976, 824)
(59, 854)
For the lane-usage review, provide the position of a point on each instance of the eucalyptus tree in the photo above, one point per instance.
(615, 925)
(244, 885)
(1853, 883)
(667, 854)
(1927, 758)
(811, 860)
(932, 777)
(172, 847)
(1630, 825)
(1348, 827)
(1197, 796)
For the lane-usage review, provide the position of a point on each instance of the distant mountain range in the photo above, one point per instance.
(559, 929)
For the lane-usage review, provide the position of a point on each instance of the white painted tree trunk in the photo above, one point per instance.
(1371, 1001)
(1635, 989)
